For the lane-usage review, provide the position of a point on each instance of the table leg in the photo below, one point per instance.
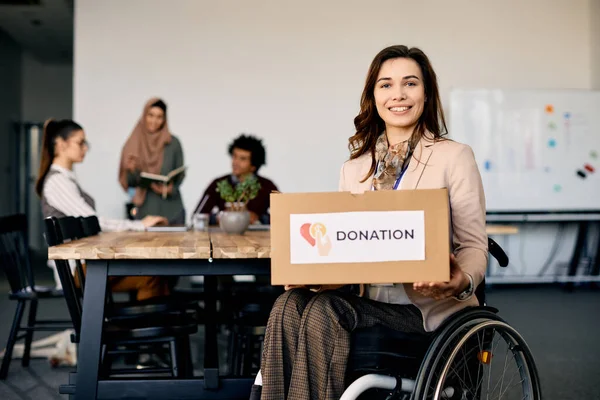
(577, 250)
(211, 352)
(596, 267)
(88, 362)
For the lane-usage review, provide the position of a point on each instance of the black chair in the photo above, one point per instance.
(132, 331)
(73, 231)
(16, 265)
(90, 225)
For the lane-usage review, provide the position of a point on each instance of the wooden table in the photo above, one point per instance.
(255, 244)
(163, 254)
(499, 230)
(183, 245)
(135, 245)
(493, 229)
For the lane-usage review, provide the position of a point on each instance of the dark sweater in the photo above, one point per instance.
(259, 205)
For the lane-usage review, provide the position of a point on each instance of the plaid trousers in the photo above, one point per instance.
(307, 341)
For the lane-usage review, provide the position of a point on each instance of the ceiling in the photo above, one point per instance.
(42, 27)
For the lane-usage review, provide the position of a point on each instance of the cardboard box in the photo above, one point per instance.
(392, 236)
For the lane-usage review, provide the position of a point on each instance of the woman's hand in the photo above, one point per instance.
(131, 163)
(253, 217)
(316, 288)
(290, 287)
(442, 290)
(158, 188)
(153, 220)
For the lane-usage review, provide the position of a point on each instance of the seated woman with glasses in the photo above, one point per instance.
(64, 144)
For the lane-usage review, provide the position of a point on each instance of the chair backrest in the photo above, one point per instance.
(55, 236)
(90, 225)
(70, 228)
(14, 254)
(495, 251)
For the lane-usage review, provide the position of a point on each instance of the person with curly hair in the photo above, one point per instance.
(247, 157)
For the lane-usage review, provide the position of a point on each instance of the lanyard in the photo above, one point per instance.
(402, 171)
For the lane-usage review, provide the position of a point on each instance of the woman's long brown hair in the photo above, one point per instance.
(52, 130)
(369, 124)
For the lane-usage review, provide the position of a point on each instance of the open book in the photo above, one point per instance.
(146, 178)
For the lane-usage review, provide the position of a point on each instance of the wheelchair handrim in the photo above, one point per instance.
(443, 341)
(530, 384)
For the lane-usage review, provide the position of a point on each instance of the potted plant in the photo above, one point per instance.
(236, 218)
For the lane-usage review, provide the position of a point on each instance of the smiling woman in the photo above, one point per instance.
(398, 144)
(403, 100)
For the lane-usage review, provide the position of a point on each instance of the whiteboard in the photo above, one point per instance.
(537, 150)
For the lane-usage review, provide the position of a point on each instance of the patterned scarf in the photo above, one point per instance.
(390, 160)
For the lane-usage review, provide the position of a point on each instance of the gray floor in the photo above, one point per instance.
(562, 329)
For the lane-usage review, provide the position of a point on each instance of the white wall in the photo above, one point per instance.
(292, 72)
(47, 90)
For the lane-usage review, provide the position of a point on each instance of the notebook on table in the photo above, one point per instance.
(168, 228)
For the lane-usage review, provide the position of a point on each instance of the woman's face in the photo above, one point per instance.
(400, 93)
(155, 119)
(74, 148)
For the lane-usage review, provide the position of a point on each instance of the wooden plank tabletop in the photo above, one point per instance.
(501, 229)
(135, 245)
(182, 245)
(252, 244)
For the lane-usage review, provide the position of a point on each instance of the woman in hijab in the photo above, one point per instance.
(151, 148)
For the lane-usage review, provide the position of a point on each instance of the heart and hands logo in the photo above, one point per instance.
(316, 235)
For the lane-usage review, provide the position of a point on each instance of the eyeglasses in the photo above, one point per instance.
(83, 143)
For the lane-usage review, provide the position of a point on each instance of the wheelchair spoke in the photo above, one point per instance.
(508, 387)
(444, 360)
(462, 365)
(480, 382)
(457, 376)
(519, 371)
(473, 388)
(477, 383)
(490, 371)
(515, 385)
(490, 375)
(501, 382)
(480, 343)
(501, 395)
(467, 369)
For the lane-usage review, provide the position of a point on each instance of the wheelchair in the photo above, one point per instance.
(466, 358)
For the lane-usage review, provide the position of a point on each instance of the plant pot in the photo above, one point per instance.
(234, 222)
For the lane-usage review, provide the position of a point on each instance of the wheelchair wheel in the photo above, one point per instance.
(481, 359)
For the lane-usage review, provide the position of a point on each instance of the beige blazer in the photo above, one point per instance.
(435, 165)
